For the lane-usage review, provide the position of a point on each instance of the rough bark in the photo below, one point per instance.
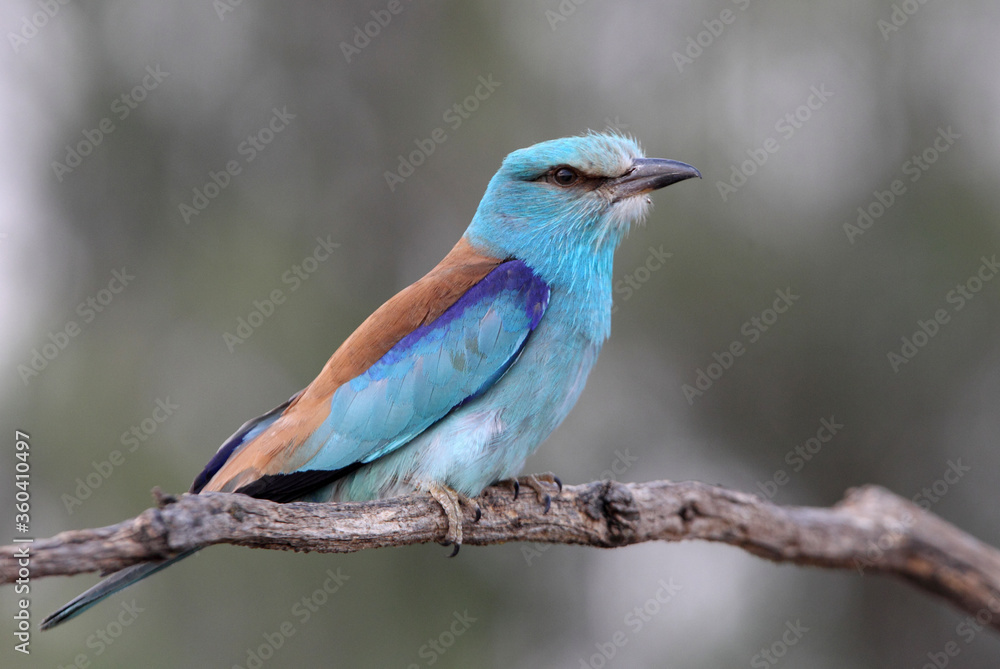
(870, 531)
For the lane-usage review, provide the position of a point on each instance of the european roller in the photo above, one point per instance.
(454, 381)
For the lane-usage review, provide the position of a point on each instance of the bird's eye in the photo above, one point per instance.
(565, 176)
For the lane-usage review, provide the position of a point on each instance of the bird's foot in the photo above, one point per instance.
(534, 481)
(451, 501)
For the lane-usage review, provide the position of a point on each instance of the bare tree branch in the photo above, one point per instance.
(871, 530)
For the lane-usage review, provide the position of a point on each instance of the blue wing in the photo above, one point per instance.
(429, 372)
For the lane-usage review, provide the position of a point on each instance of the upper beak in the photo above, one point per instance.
(648, 174)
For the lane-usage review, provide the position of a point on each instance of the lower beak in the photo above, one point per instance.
(649, 174)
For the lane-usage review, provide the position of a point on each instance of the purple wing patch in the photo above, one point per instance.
(513, 276)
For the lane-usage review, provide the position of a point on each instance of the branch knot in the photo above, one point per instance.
(614, 503)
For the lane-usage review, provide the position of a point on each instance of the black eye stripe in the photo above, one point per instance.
(565, 176)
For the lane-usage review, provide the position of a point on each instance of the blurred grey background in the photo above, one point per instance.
(117, 301)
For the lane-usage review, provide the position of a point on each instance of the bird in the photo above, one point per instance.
(452, 383)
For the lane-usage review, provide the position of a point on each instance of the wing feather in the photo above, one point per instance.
(450, 354)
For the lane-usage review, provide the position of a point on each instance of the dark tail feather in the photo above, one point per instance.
(109, 586)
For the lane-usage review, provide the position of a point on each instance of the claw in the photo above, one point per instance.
(534, 481)
(451, 501)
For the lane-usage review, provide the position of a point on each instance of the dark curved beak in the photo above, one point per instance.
(649, 174)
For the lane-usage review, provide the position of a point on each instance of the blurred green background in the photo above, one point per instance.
(831, 103)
